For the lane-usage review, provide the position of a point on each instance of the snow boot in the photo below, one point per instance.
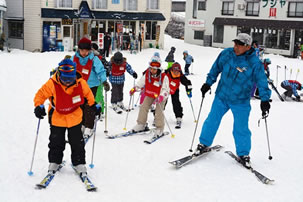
(245, 161)
(87, 133)
(81, 169)
(116, 108)
(53, 167)
(178, 123)
(121, 106)
(157, 133)
(200, 149)
(139, 128)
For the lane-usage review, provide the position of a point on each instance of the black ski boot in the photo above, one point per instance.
(245, 161)
(200, 149)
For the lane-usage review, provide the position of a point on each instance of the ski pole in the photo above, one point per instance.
(268, 146)
(91, 165)
(137, 100)
(105, 106)
(191, 147)
(30, 172)
(192, 109)
(133, 96)
(130, 100)
(285, 72)
(277, 75)
(192, 68)
(290, 73)
(171, 132)
(298, 71)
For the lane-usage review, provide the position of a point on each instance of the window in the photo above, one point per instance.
(218, 33)
(252, 9)
(15, 29)
(202, 5)
(130, 5)
(199, 35)
(153, 4)
(150, 33)
(195, 9)
(115, 1)
(277, 39)
(64, 3)
(100, 4)
(228, 8)
(295, 9)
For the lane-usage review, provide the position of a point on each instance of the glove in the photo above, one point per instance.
(135, 75)
(160, 99)
(205, 87)
(298, 98)
(132, 91)
(97, 109)
(40, 112)
(265, 106)
(106, 86)
(189, 94)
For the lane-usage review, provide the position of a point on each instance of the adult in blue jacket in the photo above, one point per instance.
(93, 71)
(240, 68)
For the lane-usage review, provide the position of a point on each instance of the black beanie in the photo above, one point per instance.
(118, 58)
(85, 43)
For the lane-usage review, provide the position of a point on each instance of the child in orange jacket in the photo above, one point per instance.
(66, 91)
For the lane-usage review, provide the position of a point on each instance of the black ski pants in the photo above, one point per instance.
(57, 144)
(288, 89)
(177, 107)
(117, 93)
(186, 68)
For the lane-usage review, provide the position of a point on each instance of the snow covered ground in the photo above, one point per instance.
(128, 170)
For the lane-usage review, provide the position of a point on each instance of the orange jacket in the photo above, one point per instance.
(47, 91)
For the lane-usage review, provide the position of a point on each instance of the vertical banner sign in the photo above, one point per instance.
(142, 34)
(100, 40)
(272, 12)
(157, 35)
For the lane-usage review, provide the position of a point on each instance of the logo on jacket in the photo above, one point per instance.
(241, 69)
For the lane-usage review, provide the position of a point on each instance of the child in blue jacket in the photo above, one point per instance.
(188, 60)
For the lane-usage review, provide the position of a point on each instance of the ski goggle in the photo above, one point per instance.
(176, 68)
(154, 65)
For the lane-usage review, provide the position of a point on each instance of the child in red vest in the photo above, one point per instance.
(66, 91)
(176, 77)
(156, 89)
(117, 78)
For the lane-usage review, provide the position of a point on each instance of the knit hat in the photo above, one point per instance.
(118, 58)
(185, 52)
(157, 54)
(176, 67)
(85, 43)
(244, 39)
(155, 62)
(67, 70)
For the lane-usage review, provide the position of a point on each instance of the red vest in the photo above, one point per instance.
(153, 88)
(174, 83)
(84, 70)
(118, 70)
(66, 103)
(294, 81)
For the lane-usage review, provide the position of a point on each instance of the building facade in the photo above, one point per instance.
(48, 23)
(275, 24)
(2, 11)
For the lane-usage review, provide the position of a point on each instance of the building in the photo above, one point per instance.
(175, 27)
(2, 11)
(275, 24)
(47, 23)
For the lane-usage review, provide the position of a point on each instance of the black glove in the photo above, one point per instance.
(135, 75)
(97, 109)
(106, 86)
(205, 87)
(40, 112)
(298, 98)
(265, 106)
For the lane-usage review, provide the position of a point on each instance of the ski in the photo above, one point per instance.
(155, 138)
(48, 178)
(261, 177)
(129, 133)
(187, 159)
(89, 186)
(276, 90)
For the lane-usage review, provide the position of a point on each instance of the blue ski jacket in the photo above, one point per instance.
(98, 73)
(238, 74)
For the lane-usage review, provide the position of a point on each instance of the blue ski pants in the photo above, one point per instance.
(241, 132)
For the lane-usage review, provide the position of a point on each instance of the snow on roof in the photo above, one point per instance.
(3, 5)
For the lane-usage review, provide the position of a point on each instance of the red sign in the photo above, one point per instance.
(272, 12)
(100, 40)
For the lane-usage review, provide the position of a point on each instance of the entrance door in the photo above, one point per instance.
(67, 38)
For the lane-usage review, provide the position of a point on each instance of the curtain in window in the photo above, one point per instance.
(65, 3)
(101, 4)
(153, 4)
(131, 4)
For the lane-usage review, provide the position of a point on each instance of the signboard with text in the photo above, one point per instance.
(100, 40)
(196, 24)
